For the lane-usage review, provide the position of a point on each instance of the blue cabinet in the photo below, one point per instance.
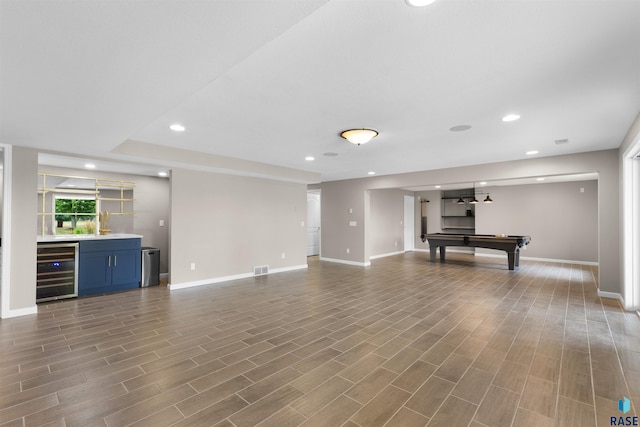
(108, 265)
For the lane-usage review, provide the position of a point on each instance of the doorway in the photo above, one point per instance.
(5, 165)
(409, 225)
(313, 222)
(631, 225)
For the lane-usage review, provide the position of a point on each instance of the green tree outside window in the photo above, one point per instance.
(75, 216)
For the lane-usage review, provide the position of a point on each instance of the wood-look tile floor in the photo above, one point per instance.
(405, 342)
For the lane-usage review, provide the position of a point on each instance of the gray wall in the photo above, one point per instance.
(338, 196)
(341, 203)
(227, 224)
(23, 249)
(386, 231)
(153, 203)
(562, 220)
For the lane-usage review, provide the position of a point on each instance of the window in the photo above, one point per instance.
(75, 215)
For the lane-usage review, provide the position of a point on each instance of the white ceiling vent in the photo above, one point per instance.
(562, 141)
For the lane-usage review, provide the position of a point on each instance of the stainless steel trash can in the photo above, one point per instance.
(150, 267)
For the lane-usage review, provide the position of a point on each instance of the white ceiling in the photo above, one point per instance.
(273, 81)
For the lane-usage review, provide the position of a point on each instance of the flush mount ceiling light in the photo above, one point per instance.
(177, 127)
(419, 3)
(309, 158)
(531, 153)
(359, 136)
(90, 166)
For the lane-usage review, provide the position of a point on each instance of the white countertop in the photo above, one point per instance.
(77, 237)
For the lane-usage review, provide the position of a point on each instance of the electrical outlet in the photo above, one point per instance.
(162, 223)
(193, 265)
(348, 251)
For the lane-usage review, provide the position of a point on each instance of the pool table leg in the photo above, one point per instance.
(511, 257)
(432, 253)
(433, 250)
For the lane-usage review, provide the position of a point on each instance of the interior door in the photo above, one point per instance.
(313, 223)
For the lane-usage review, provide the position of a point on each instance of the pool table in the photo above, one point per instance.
(510, 244)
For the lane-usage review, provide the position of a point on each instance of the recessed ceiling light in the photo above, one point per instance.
(483, 183)
(419, 3)
(531, 153)
(163, 174)
(330, 154)
(539, 179)
(438, 186)
(177, 127)
(372, 173)
(309, 158)
(90, 166)
(510, 118)
(460, 128)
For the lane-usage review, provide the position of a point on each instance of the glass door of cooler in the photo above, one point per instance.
(57, 273)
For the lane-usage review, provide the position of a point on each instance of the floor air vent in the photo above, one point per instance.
(260, 270)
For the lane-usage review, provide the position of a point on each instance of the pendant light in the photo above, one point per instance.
(474, 201)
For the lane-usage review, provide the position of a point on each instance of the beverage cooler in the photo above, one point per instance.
(57, 271)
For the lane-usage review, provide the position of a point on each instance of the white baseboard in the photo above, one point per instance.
(291, 268)
(611, 295)
(554, 260)
(344, 261)
(387, 254)
(449, 249)
(22, 312)
(216, 280)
